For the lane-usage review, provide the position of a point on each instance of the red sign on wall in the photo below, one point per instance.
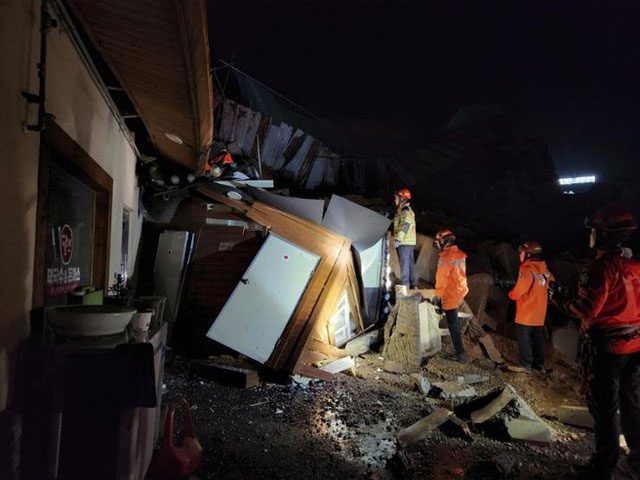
(66, 244)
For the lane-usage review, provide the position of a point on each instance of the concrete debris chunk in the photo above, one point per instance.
(492, 352)
(454, 390)
(575, 415)
(339, 365)
(494, 407)
(363, 344)
(421, 383)
(529, 430)
(422, 428)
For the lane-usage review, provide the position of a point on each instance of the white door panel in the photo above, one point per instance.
(260, 307)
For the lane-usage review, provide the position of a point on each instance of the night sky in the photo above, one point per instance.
(566, 70)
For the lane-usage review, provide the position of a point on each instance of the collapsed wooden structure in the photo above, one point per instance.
(309, 338)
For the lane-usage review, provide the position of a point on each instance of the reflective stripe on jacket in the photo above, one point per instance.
(609, 298)
(531, 293)
(451, 277)
(404, 226)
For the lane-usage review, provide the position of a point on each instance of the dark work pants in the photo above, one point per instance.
(613, 398)
(407, 265)
(530, 345)
(454, 330)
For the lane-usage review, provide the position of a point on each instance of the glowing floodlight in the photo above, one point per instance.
(577, 180)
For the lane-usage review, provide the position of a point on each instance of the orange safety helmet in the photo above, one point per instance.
(531, 247)
(404, 194)
(612, 218)
(444, 237)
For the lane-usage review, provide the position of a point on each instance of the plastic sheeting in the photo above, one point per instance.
(362, 226)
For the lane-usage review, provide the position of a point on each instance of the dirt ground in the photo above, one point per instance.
(346, 428)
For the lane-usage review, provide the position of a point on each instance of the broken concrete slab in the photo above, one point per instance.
(422, 428)
(363, 344)
(492, 352)
(454, 390)
(339, 365)
(577, 416)
(529, 430)
(225, 374)
(494, 407)
(422, 383)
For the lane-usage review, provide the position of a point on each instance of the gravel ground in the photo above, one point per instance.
(346, 428)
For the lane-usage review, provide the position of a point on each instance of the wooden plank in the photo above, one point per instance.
(225, 374)
(227, 126)
(422, 428)
(493, 353)
(309, 371)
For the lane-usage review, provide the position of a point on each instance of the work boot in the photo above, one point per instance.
(518, 369)
(458, 357)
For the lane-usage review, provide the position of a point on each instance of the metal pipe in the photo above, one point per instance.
(46, 23)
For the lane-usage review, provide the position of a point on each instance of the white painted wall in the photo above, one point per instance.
(83, 113)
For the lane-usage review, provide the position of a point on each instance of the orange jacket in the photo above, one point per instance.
(530, 293)
(451, 277)
(609, 298)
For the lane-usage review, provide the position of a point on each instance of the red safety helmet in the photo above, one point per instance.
(444, 237)
(612, 218)
(531, 248)
(404, 194)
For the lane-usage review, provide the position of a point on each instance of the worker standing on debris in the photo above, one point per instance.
(451, 286)
(531, 296)
(404, 237)
(608, 306)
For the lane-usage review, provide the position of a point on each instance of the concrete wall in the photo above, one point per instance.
(80, 109)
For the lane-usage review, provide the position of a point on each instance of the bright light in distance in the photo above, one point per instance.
(575, 180)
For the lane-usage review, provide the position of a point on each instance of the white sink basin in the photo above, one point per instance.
(89, 320)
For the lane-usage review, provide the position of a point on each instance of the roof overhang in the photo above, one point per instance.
(159, 52)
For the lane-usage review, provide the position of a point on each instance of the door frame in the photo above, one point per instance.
(77, 162)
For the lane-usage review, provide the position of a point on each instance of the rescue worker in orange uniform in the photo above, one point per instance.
(531, 296)
(451, 287)
(404, 237)
(608, 306)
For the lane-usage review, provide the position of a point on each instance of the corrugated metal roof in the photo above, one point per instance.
(159, 52)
